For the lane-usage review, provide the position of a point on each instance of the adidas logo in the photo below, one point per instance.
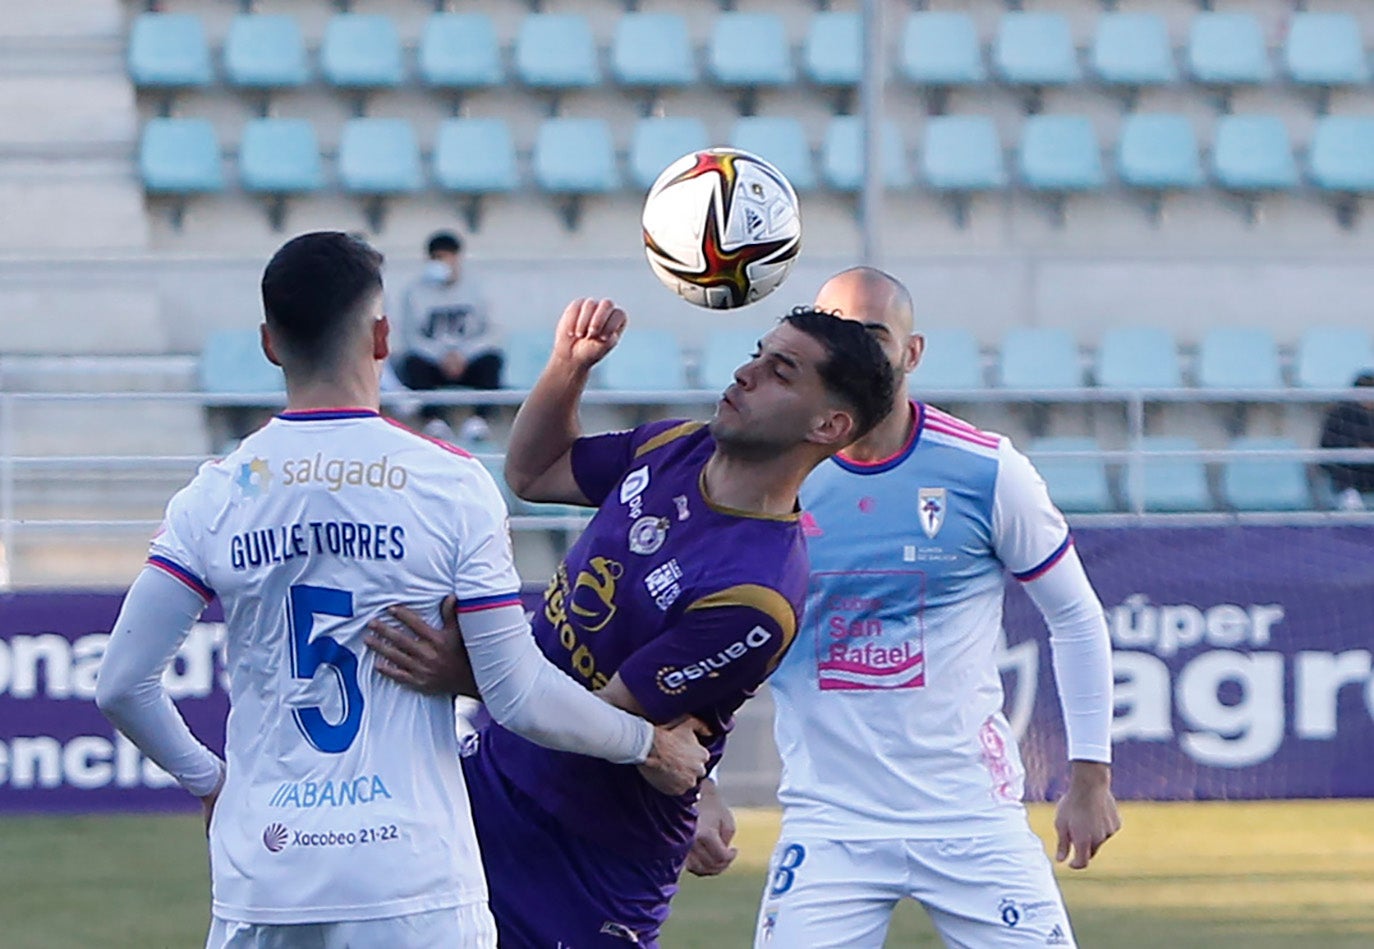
(1057, 937)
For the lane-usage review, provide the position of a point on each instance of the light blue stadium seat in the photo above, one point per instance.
(645, 360)
(725, 351)
(750, 49)
(1060, 153)
(1138, 357)
(379, 156)
(1035, 49)
(575, 156)
(280, 156)
(475, 156)
(1132, 49)
(180, 156)
(1329, 357)
(657, 143)
(951, 361)
(963, 153)
(1171, 484)
(781, 141)
(1325, 49)
(1341, 157)
(1041, 357)
(1269, 484)
(265, 52)
(168, 50)
(1253, 153)
(842, 164)
(361, 51)
(1077, 485)
(941, 49)
(1238, 357)
(526, 354)
(233, 362)
(1158, 152)
(556, 51)
(833, 52)
(654, 50)
(1227, 49)
(460, 51)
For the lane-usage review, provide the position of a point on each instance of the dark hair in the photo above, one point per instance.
(1364, 379)
(856, 369)
(444, 242)
(312, 287)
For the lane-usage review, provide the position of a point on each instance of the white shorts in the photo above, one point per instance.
(469, 926)
(980, 892)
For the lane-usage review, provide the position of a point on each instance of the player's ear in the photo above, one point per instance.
(381, 338)
(268, 349)
(835, 429)
(912, 352)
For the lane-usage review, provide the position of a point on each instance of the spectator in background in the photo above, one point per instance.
(1351, 425)
(447, 339)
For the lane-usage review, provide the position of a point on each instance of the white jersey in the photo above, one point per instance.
(889, 704)
(343, 797)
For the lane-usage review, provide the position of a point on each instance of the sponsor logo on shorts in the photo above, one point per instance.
(1057, 936)
(770, 923)
(1009, 911)
(274, 837)
(672, 680)
(620, 931)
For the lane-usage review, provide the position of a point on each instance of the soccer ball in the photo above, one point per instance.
(721, 228)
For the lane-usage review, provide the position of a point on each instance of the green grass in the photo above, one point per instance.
(1259, 876)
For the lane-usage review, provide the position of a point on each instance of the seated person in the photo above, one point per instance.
(1351, 425)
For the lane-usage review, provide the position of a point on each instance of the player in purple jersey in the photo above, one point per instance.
(679, 599)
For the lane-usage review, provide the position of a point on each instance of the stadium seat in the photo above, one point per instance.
(1138, 357)
(232, 362)
(1158, 152)
(180, 156)
(168, 50)
(781, 141)
(962, 153)
(1325, 49)
(475, 156)
(361, 51)
(280, 156)
(1170, 484)
(941, 49)
(951, 361)
(379, 156)
(725, 351)
(1253, 153)
(750, 49)
(1060, 153)
(657, 143)
(1040, 358)
(1132, 49)
(575, 156)
(833, 52)
(1341, 156)
(1330, 357)
(460, 51)
(842, 164)
(1268, 484)
(1035, 49)
(265, 52)
(1238, 357)
(653, 50)
(645, 360)
(1227, 49)
(556, 51)
(1077, 485)
(526, 352)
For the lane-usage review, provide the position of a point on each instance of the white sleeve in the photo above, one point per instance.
(1028, 533)
(534, 698)
(155, 619)
(1082, 655)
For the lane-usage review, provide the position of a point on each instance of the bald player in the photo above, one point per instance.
(901, 777)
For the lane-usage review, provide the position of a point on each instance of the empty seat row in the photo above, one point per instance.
(558, 50)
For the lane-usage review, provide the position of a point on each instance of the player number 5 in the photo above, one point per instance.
(307, 655)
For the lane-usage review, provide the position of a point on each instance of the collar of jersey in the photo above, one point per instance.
(736, 512)
(325, 415)
(893, 460)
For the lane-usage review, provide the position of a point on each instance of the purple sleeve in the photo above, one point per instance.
(725, 644)
(600, 461)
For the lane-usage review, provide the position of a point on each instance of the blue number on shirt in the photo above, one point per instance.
(307, 655)
(786, 873)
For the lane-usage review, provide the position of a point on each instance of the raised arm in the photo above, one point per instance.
(539, 454)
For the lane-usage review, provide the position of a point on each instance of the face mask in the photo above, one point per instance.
(438, 271)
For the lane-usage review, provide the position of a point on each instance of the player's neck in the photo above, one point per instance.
(752, 485)
(352, 389)
(887, 438)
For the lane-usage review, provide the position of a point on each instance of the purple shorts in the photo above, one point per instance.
(550, 887)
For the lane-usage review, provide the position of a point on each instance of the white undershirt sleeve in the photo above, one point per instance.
(534, 698)
(1082, 654)
(156, 618)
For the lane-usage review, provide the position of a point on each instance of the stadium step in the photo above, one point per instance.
(134, 373)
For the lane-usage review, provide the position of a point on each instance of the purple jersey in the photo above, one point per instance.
(692, 603)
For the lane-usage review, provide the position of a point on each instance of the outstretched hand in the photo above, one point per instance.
(587, 331)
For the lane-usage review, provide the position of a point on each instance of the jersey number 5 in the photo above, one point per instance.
(307, 655)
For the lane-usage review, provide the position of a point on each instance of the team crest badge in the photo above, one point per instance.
(648, 534)
(931, 503)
